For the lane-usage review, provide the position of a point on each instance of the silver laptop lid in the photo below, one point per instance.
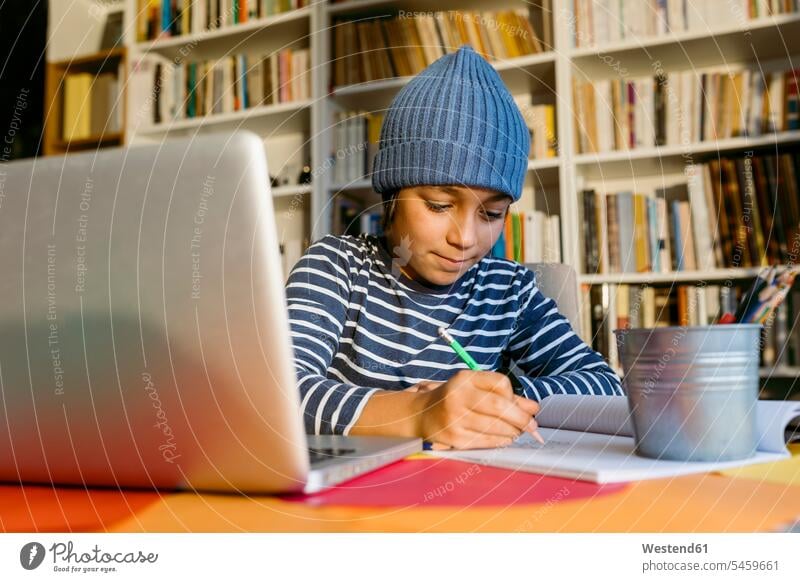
(143, 330)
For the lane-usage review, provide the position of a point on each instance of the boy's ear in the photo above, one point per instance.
(389, 205)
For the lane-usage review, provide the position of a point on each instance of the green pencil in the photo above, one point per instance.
(462, 353)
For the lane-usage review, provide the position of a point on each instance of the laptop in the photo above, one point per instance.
(144, 339)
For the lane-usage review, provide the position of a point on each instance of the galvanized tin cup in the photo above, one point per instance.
(692, 391)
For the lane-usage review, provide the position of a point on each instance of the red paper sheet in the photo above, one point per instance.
(34, 508)
(444, 482)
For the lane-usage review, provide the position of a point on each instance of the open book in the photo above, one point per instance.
(591, 438)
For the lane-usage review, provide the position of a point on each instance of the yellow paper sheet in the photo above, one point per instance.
(786, 472)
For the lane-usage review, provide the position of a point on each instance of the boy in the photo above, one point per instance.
(364, 311)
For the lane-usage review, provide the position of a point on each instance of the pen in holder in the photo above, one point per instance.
(692, 391)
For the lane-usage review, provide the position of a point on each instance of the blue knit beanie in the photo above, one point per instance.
(455, 123)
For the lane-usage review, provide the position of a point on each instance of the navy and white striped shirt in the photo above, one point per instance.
(359, 325)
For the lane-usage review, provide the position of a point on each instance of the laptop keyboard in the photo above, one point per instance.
(317, 455)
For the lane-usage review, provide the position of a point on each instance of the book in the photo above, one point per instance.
(499, 248)
(232, 83)
(600, 22)
(590, 438)
(552, 245)
(743, 211)
(591, 248)
(641, 235)
(102, 103)
(384, 47)
(159, 18)
(690, 304)
(625, 220)
(77, 110)
(541, 123)
(683, 107)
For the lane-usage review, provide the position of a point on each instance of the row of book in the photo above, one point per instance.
(162, 18)
(92, 105)
(232, 83)
(683, 107)
(355, 142)
(356, 135)
(732, 212)
(352, 215)
(608, 307)
(530, 237)
(541, 122)
(403, 45)
(755, 217)
(601, 22)
(527, 237)
(626, 232)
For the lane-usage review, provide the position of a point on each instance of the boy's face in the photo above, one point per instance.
(446, 228)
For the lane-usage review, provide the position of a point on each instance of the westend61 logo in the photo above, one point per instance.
(65, 559)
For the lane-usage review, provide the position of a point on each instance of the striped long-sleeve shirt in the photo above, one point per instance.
(359, 325)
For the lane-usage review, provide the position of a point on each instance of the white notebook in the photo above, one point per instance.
(591, 438)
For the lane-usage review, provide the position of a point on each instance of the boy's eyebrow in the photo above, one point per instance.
(498, 196)
(455, 192)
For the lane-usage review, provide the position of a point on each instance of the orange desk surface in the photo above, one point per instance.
(700, 503)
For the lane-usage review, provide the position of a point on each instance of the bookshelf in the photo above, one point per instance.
(85, 77)
(290, 24)
(531, 77)
(70, 102)
(268, 119)
(726, 43)
(286, 126)
(304, 132)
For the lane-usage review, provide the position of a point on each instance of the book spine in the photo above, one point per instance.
(166, 17)
(792, 108)
(590, 247)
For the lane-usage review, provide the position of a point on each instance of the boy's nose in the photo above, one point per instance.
(461, 234)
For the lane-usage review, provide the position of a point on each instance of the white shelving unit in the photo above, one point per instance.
(765, 42)
(751, 42)
(534, 73)
(300, 133)
(231, 35)
(286, 127)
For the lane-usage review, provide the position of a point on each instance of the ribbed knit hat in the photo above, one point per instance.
(455, 123)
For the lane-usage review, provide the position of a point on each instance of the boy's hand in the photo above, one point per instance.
(475, 410)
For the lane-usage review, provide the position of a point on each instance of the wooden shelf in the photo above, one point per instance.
(336, 8)
(355, 185)
(779, 372)
(711, 36)
(679, 151)
(279, 118)
(229, 33)
(92, 60)
(89, 142)
(372, 7)
(290, 190)
(529, 68)
(543, 164)
(112, 60)
(674, 276)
